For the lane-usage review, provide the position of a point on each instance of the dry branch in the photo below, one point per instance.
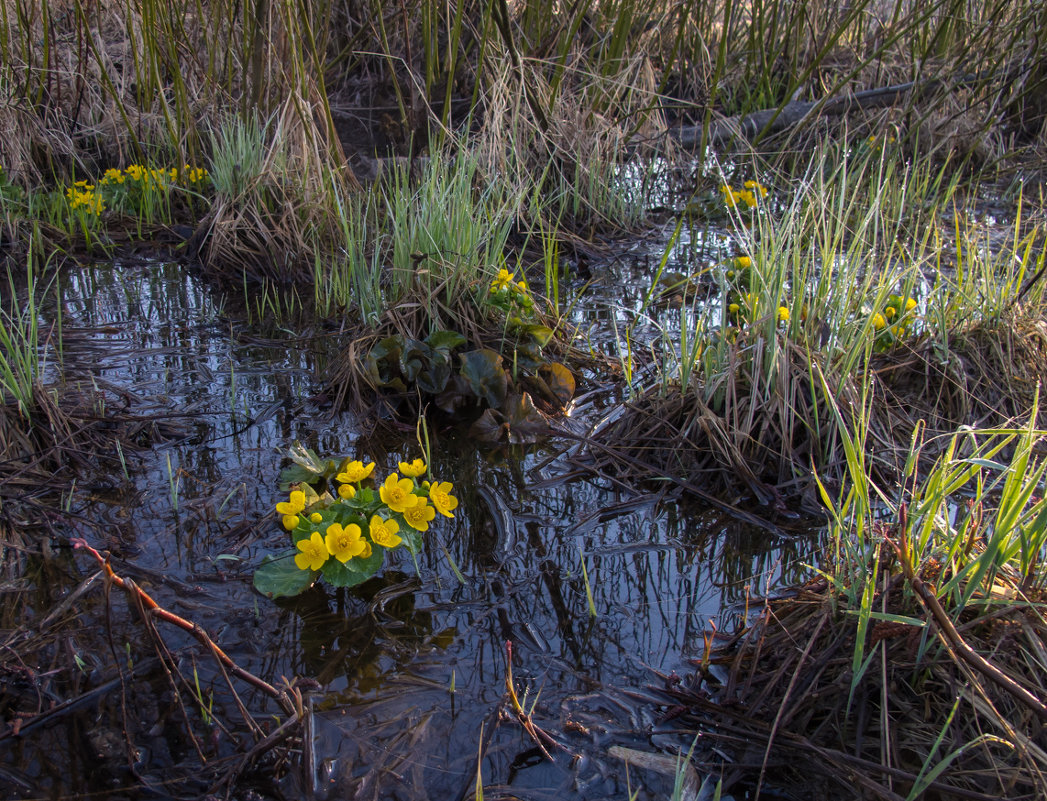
(153, 608)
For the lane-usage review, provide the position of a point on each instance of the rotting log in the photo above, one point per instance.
(758, 124)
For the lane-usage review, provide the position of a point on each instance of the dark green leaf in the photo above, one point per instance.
(456, 396)
(486, 376)
(307, 459)
(295, 474)
(383, 364)
(434, 380)
(445, 341)
(279, 576)
(412, 539)
(541, 334)
(415, 357)
(355, 571)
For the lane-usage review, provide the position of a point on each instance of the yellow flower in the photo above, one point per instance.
(344, 543)
(293, 505)
(502, 280)
(313, 553)
(734, 308)
(743, 262)
(412, 469)
(730, 197)
(397, 493)
(419, 515)
(346, 491)
(783, 314)
(384, 533)
(756, 187)
(444, 502)
(290, 522)
(749, 198)
(890, 311)
(879, 321)
(910, 304)
(355, 472)
(315, 517)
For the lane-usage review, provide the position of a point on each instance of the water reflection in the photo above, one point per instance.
(409, 669)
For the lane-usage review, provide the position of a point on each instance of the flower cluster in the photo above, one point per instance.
(83, 198)
(894, 321)
(509, 294)
(750, 194)
(874, 142)
(161, 177)
(344, 536)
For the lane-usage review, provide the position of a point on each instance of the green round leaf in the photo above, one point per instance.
(355, 571)
(486, 376)
(279, 576)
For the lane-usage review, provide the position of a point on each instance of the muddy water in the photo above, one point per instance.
(407, 673)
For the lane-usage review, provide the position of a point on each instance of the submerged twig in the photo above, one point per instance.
(154, 609)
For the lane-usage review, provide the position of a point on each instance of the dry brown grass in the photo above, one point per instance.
(768, 438)
(786, 684)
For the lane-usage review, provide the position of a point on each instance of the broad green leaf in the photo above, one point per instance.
(355, 571)
(383, 364)
(539, 333)
(445, 340)
(279, 577)
(416, 356)
(434, 380)
(486, 376)
(295, 474)
(307, 459)
(412, 539)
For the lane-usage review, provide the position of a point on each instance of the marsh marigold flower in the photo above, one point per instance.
(384, 533)
(316, 517)
(756, 187)
(355, 472)
(346, 492)
(412, 469)
(502, 280)
(783, 314)
(420, 515)
(291, 508)
(344, 543)
(313, 553)
(743, 262)
(398, 494)
(442, 499)
(879, 321)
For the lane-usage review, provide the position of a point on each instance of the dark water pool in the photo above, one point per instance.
(406, 674)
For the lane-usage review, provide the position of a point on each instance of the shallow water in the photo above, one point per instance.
(407, 673)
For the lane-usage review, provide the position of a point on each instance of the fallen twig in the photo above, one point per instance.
(958, 644)
(148, 605)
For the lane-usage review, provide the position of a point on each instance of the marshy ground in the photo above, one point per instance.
(744, 436)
